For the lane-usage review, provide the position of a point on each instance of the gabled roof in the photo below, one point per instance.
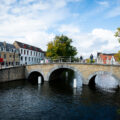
(106, 57)
(29, 47)
(7, 46)
(109, 54)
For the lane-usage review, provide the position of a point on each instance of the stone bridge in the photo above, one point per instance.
(86, 71)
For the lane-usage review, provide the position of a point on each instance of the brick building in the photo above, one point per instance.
(9, 54)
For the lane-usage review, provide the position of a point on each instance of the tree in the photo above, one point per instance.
(117, 56)
(89, 60)
(117, 34)
(61, 46)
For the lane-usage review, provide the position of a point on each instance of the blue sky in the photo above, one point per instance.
(90, 23)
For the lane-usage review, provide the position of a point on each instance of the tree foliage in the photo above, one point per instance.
(117, 34)
(117, 56)
(61, 46)
(89, 61)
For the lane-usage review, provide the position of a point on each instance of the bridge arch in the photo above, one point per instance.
(91, 78)
(34, 74)
(65, 67)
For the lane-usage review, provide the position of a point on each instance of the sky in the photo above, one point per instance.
(91, 24)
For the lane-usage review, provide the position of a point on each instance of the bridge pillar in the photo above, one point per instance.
(46, 78)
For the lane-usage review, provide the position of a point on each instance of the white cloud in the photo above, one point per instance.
(98, 40)
(68, 29)
(32, 22)
(25, 22)
(41, 39)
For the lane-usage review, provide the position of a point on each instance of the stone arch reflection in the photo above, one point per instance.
(103, 79)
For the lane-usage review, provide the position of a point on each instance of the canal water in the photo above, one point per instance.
(21, 100)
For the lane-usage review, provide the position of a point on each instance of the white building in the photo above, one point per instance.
(29, 54)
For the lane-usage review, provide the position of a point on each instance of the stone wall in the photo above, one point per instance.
(13, 73)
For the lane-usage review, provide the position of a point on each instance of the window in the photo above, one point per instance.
(31, 53)
(24, 52)
(4, 56)
(10, 56)
(1, 49)
(29, 58)
(21, 51)
(16, 56)
(25, 58)
(0, 55)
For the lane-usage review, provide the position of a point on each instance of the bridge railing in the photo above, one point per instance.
(64, 60)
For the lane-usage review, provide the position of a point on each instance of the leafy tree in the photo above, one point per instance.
(61, 46)
(89, 61)
(117, 34)
(117, 56)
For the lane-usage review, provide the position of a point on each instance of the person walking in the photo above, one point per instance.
(81, 58)
(91, 58)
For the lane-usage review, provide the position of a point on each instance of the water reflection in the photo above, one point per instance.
(106, 82)
(25, 101)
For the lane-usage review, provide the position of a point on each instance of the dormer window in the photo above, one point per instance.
(36, 49)
(24, 46)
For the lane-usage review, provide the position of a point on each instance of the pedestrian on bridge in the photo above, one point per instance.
(91, 58)
(81, 59)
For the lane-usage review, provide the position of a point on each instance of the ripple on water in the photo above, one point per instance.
(24, 101)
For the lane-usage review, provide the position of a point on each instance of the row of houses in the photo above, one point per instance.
(104, 58)
(20, 54)
(23, 54)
